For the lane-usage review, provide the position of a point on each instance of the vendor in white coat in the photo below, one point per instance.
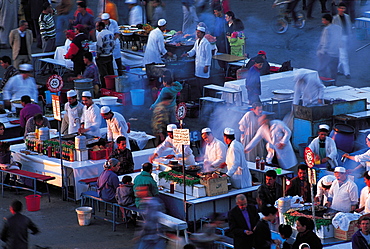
(277, 135)
(364, 206)
(308, 87)
(324, 148)
(72, 118)
(91, 119)
(323, 187)
(155, 47)
(116, 125)
(202, 51)
(237, 166)
(362, 159)
(215, 152)
(20, 85)
(177, 148)
(343, 194)
(136, 14)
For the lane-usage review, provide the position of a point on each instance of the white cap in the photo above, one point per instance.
(340, 169)
(86, 94)
(324, 127)
(204, 130)
(171, 127)
(203, 29)
(26, 67)
(368, 136)
(130, 1)
(71, 93)
(328, 180)
(104, 109)
(105, 16)
(162, 22)
(229, 131)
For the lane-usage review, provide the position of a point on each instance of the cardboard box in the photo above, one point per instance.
(346, 235)
(217, 186)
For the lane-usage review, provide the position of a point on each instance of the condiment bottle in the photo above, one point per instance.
(258, 159)
(172, 187)
(262, 164)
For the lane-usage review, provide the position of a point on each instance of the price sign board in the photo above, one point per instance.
(55, 83)
(181, 136)
(55, 101)
(312, 176)
(309, 157)
(181, 111)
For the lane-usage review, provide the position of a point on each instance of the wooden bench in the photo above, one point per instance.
(90, 182)
(174, 224)
(26, 174)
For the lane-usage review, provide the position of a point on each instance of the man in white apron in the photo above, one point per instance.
(72, 118)
(91, 119)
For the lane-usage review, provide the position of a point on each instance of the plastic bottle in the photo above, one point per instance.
(262, 164)
(258, 162)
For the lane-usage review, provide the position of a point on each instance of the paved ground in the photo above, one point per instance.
(58, 220)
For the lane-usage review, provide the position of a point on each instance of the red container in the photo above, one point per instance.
(33, 202)
(100, 154)
(110, 82)
(123, 98)
(105, 92)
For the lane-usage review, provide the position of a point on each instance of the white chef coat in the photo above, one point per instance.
(154, 48)
(214, 155)
(330, 147)
(277, 133)
(248, 124)
(73, 117)
(322, 192)
(237, 166)
(17, 87)
(309, 87)
(363, 159)
(365, 200)
(92, 119)
(343, 196)
(117, 126)
(113, 26)
(203, 57)
(136, 16)
(177, 150)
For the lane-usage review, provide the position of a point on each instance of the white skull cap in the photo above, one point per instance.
(104, 109)
(71, 93)
(171, 127)
(340, 169)
(328, 180)
(203, 29)
(86, 94)
(130, 1)
(204, 130)
(324, 127)
(229, 131)
(105, 16)
(26, 67)
(368, 136)
(162, 22)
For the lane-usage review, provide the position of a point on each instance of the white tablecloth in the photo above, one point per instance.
(60, 52)
(269, 83)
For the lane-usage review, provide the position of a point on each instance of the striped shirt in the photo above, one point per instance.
(47, 25)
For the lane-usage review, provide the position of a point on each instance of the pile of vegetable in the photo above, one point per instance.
(292, 217)
(178, 177)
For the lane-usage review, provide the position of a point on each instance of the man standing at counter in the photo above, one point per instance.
(237, 167)
(215, 152)
(116, 124)
(253, 81)
(72, 118)
(155, 47)
(91, 119)
(35, 122)
(343, 194)
(203, 53)
(177, 148)
(144, 184)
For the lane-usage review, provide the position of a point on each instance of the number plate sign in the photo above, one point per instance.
(309, 157)
(55, 83)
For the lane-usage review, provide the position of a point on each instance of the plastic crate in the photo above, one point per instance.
(123, 98)
(100, 154)
(105, 92)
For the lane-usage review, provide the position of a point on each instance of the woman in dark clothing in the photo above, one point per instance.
(262, 233)
(305, 234)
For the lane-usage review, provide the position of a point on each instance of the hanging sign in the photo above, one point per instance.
(55, 83)
(181, 136)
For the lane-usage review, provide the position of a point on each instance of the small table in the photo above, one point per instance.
(221, 89)
(228, 58)
(60, 66)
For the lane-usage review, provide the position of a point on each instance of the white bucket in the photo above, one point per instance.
(84, 215)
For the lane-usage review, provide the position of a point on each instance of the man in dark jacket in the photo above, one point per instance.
(242, 220)
(299, 185)
(269, 191)
(360, 240)
(265, 67)
(15, 229)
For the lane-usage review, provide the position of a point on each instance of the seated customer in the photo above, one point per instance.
(124, 156)
(28, 111)
(36, 121)
(125, 196)
(144, 184)
(269, 191)
(108, 181)
(299, 185)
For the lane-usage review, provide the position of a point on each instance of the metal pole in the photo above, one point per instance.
(183, 172)
(313, 207)
(64, 180)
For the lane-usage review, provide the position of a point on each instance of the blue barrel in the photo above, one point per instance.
(344, 137)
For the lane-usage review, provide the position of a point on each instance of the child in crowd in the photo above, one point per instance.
(262, 232)
(285, 232)
(125, 197)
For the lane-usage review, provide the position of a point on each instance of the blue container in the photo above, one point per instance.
(137, 96)
(344, 137)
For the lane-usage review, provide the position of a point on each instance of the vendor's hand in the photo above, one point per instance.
(280, 146)
(359, 210)
(151, 158)
(248, 232)
(79, 76)
(223, 165)
(169, 156)
(82, 130)
(205, 69)
(246, 150)
(345, 155)
(324, 160)
(185, 55)
(328, 204)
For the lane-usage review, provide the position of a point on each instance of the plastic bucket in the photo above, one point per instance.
(110, 82)
(122, 84)
(82, 85)
(84, 215)
(137, 96)
(343, 135)
(33, 202)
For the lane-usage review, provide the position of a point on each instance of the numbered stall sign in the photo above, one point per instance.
(55, 83)
(181, 136)
(181, 111)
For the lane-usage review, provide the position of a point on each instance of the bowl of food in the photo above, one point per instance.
(16, 103)
(283, 93)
